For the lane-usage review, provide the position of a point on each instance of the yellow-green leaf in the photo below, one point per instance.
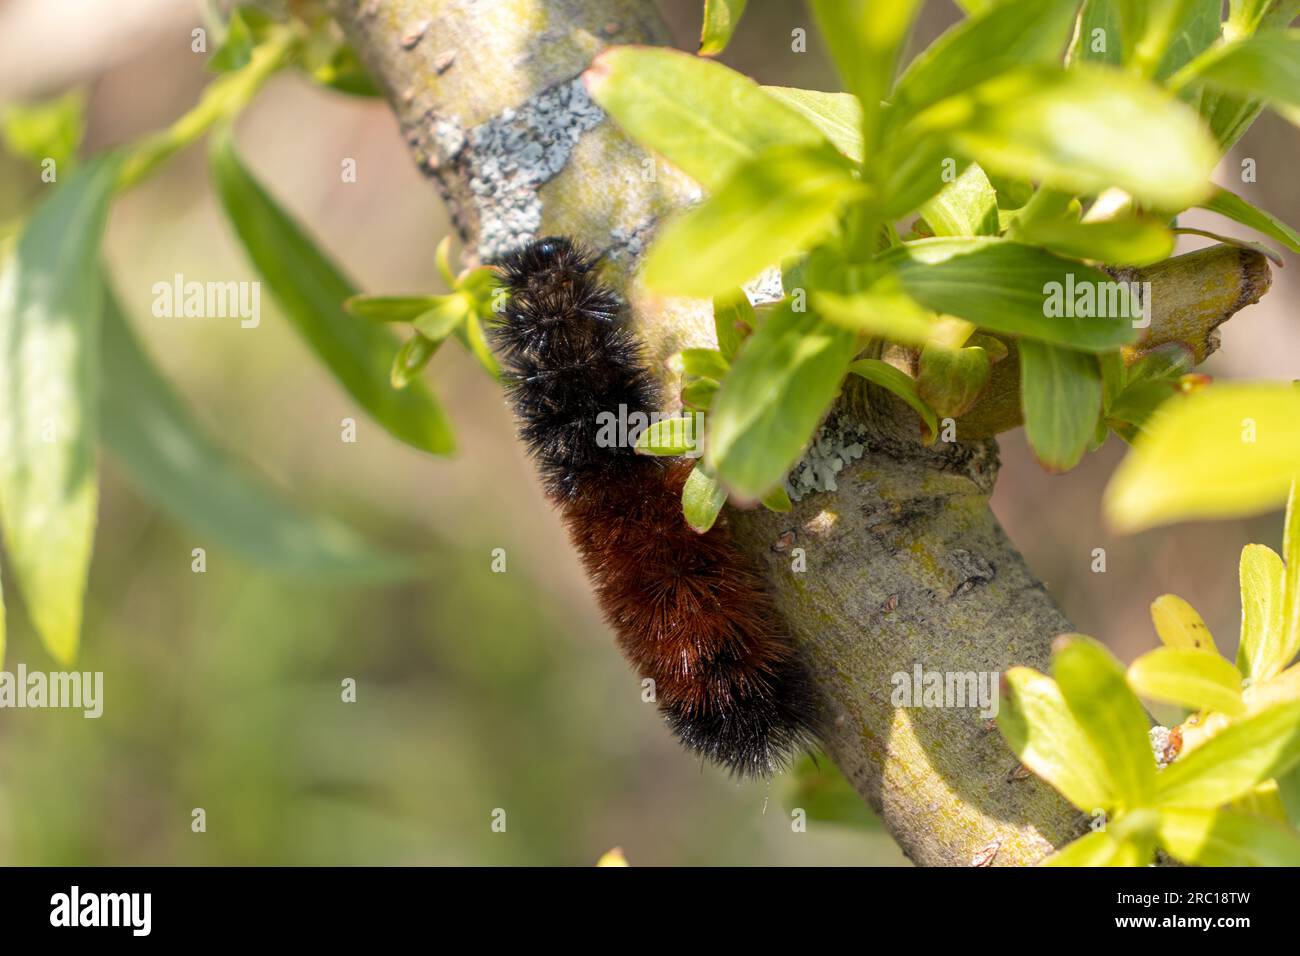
(1179, 625)
(669, 437)
(702, 498)
(1094, 687)
(1193, 678)
(1230, 449)
(1239, 210)
(1099, 849)
(1266, 65)
(778, 204)
(901, 384)
(967, 206)
(1263, 578)
(1290, 641)
(884, 310)
(704, 118)
(1235, 760)
(1207, 837)
(1077, 131)
(838, 115)
(781, 384)
(720, 20)
(950, 380)
(50, 297)
(1040, 729)
(1007, 287)
(1060, 394)
(1125, 242)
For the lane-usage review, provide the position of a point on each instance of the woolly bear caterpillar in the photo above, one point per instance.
(690, 610)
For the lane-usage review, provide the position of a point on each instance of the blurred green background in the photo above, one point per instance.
(476, 690)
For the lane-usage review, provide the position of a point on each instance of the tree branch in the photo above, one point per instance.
(906, 564)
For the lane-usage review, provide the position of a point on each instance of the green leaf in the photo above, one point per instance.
(1205, 837)
(411, 359)
(781, 203)
(1060, 392)
(1100, 33)
(1263, 579)
(781, 384)
(778, 500)
(1266, 66)
(1040, 729)
(48, 130)
(704, 363)
(950, 380)
(1079, 131)
(1192, 678)
(1011, 35)
(1007, 287)
(901, 384)
(172, 460)
(1238, 210)
(670, 437)
(1229, 449)
(699, 393)
(821, 791)
(1235, 760)
(49, 375)
(702, 498)
(704, 118)
(733, 320)
(311, 291)
(720, 20)
(1290, 633)
(1193, 29)
(837, 115)
(1128, 242)
(1094, 687)
(884, 310)
(236, 49)
(1179, 625)
(444, 318)
(967, 206)
(865, 38)
(390, 308)
(1099, 849)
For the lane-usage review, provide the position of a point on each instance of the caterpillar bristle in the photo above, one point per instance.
(690, 611)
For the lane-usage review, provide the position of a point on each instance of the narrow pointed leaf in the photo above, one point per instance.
(1239, 210)
(312, 291)
(50, 294)
(1266, 65)
(171, 459)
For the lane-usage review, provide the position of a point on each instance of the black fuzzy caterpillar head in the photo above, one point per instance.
(567, 357)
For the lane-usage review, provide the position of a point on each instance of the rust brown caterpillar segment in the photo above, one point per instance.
(691, 611)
